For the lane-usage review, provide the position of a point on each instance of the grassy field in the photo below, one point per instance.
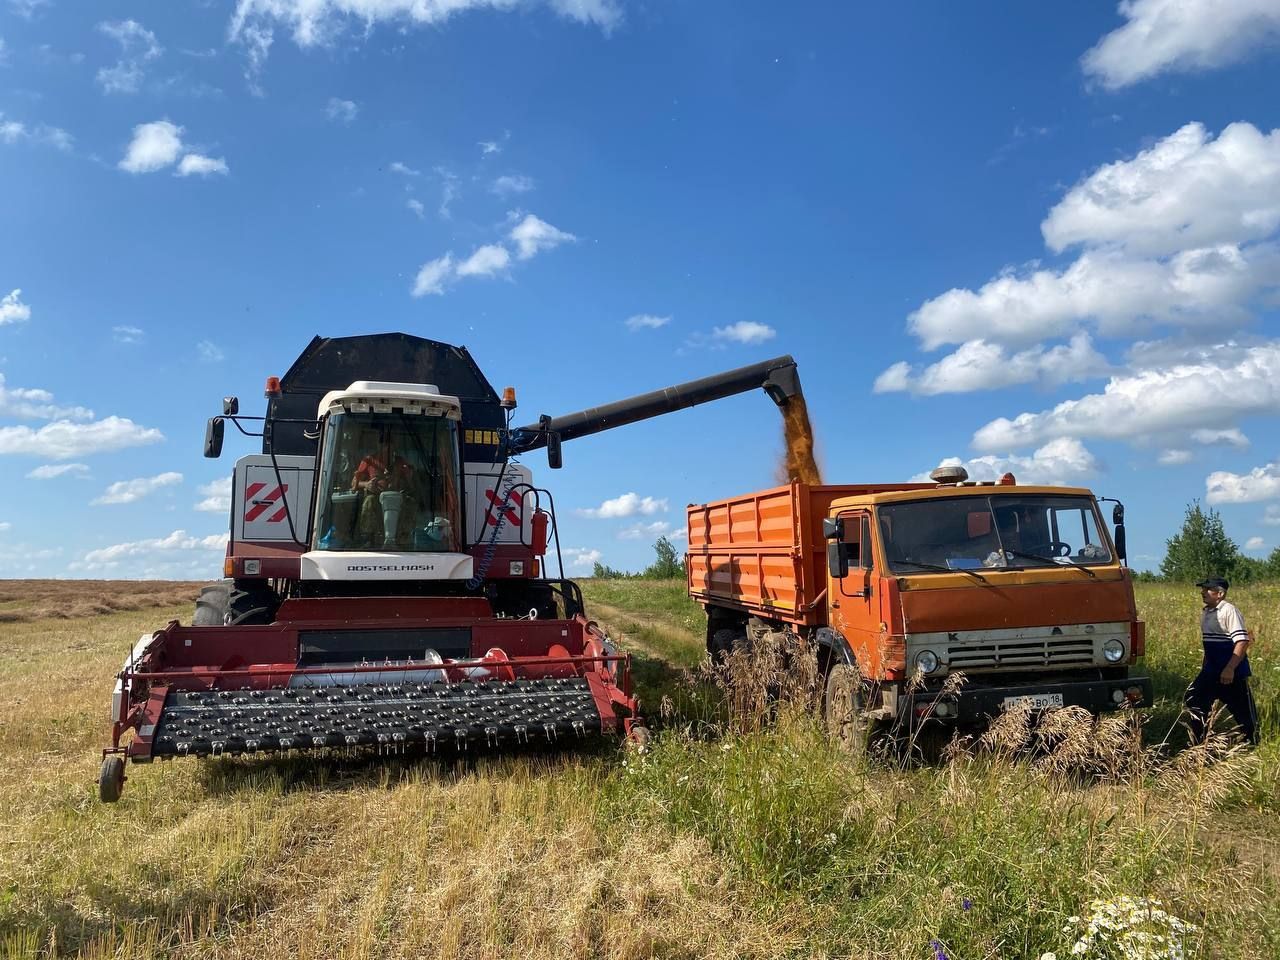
(716, 843)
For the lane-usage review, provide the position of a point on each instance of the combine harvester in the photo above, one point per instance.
(386, 585)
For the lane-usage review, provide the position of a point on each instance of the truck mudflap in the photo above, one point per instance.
(980, 703)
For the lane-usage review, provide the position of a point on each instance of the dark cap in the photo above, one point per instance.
(1214, 583)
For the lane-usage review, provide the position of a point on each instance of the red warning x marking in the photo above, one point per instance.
(258, 505)
(494, 500)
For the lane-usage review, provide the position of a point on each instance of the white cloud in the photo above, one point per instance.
(27, 8)
(154, 146)
(14, 131)
(196, 164)
(416, 206)
(745, 331)
(1230, 438)
(26, 403)
(127, 334)
(627, 505)
(1271, 516)
(62, 439)
(210, 351)
(1199, 288)
(646, 321)
(488, 147)
(449, 192)
(1148, 405)
(509, 184)
(893, 379)
(1162, 36)
(1260, 483)
(48, 471)
(217, 496)
(403, 169)
(978, 365)
(322, 22)
(651, 531)
(12, 309)
(433, 275)
(130, 491)
(1186, 191)
(1254, 543)
(486, 261)
(5, 525)
(341, 111)
(1174, 457)
(138, 46)
(1062, 461)
(532, 235)
(582, 556)
(155, 550)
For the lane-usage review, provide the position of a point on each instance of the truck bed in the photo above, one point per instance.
(763, 552)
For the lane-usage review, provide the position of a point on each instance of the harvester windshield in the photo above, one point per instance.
(1025, 530)
(389, 481)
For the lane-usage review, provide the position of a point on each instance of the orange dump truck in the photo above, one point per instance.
(1021, 588)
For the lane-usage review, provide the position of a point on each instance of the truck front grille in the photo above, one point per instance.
(1022, 652)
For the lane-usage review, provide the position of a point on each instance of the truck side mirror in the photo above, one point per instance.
(1117, 514)
(554, 459)
(1120, 545)
(230, 406)
(213, 431)
(833, 528)
(837, 560)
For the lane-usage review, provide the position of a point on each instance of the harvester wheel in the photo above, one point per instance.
(212, 605)
(111, 778)
(844, 709)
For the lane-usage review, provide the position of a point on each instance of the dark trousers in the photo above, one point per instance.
(1206, 689)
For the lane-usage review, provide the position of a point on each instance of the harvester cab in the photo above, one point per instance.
(386, 584)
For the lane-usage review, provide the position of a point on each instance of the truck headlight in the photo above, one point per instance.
(927, 661)
(1113, 650)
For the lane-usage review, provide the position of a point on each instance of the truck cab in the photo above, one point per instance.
(1020, 588)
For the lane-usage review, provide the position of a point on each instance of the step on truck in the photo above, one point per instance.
(898, 587)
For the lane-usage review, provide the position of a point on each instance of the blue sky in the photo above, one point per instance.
(1043, 237)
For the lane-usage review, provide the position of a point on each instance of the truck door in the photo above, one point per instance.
(855, 609)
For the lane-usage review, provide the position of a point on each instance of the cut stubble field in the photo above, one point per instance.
(721, 841)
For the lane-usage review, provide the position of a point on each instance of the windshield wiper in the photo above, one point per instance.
(1049, 560)
(941, 569)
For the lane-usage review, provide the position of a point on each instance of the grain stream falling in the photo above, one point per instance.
(798, 436)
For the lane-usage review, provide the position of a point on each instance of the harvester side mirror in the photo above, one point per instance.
(837, 560)
(1121, 552)
(832, 528)
(213, 431)
(230, 406)
(1117, 514)
(554, 459)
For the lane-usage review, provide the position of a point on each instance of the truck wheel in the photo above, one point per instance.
(723, 643)
(111, 779)
(844, 714)
(212, 605)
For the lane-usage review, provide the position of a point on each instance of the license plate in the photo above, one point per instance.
(1036, 701)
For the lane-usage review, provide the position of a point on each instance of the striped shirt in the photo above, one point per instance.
(1221, 628)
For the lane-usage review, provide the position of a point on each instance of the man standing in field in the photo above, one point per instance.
(1224, 675)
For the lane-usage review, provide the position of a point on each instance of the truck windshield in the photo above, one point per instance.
(389, 481)
(967, 533)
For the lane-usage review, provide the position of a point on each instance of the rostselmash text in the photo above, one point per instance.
(390, 567)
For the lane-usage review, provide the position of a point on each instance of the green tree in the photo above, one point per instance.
(1200, 549)
(669, 564)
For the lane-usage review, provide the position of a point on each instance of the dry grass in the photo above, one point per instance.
(22, 601)
(731, 842)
